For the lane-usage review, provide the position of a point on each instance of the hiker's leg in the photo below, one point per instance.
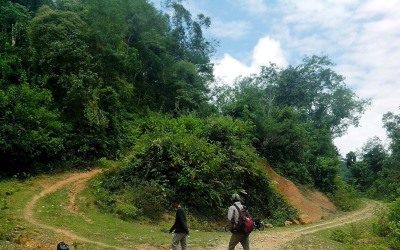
(245, 242)
(235, 239)
(175, 241)
(184, 242)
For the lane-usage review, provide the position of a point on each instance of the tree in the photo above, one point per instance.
(391, 122)
(351, 158)
(14, 47)
(316, 89)
(31, 133)
(34, 5)
(65, 35)
(65, 67)
(372, 159)
(374, 154)
(161, 61)
(286, 134)
(386, 185)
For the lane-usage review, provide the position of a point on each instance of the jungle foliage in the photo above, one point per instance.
(199, 161)
(85, 80)
(375, 170)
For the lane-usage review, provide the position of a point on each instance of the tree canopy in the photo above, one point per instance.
(87, 80)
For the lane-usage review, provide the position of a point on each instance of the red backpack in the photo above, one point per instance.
(245, 223)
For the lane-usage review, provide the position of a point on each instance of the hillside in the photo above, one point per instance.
(310, 202)
(43, 232)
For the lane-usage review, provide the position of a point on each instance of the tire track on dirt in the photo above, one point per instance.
(78, 180)
(276, 240)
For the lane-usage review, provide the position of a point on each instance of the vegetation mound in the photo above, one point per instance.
(198, 161)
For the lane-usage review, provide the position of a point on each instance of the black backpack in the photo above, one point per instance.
(245, 223)
(62, 246)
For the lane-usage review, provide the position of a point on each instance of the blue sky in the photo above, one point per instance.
(361, 37)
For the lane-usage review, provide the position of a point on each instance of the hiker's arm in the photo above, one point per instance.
(174, 226)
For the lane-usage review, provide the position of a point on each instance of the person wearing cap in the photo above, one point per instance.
(180, 228)
(233, 217)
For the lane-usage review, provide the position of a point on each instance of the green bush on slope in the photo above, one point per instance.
(199, 161)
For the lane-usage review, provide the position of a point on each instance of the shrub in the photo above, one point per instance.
(380, 226)
(394, 217)
(127, 211)
(199, 162)
(150, 198)
(345, 197)
(341, 236)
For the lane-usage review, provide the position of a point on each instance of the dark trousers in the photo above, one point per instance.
(236, 238)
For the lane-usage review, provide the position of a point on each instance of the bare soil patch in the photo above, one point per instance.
(310, 202)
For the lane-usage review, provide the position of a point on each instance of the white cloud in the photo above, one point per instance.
(266, 51)
(228, 68)
(361, 36)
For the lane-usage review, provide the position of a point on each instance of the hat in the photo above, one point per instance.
(235, 197)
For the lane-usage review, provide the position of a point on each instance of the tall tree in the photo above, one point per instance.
(65, 67)
(316, 89)
(387, 184)
(391, 122)
(14, 47)
(34, 5)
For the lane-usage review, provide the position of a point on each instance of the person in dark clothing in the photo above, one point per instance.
(180, 228)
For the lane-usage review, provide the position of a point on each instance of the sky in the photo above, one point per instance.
(362, 38)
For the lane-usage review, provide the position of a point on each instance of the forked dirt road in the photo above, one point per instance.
(265, 240)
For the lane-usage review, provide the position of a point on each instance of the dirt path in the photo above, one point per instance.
(265, 240)
(270, 240)
(77, 183)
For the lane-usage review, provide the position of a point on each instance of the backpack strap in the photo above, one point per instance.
(238, 210)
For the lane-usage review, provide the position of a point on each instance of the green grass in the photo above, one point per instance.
(144, 232)
(105, 228)
(9, 206)
(353, 236)
(109, 229)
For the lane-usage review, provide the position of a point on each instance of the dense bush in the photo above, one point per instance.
(31, 133)
(387, 225)
(200, 162)
(345, 197)
(394, 217)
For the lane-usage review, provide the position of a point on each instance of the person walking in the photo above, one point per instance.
(233, 217)
(180, 228)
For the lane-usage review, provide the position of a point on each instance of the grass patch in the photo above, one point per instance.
(153, 233)
(9, 207)
(51, 210)
(352, 236)
(14, 229)
(108, 228)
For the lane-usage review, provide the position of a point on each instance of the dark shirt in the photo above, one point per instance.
(180, 225)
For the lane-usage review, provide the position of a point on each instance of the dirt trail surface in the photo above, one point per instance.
(77, 181)
(314, 204)
(274, 240)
